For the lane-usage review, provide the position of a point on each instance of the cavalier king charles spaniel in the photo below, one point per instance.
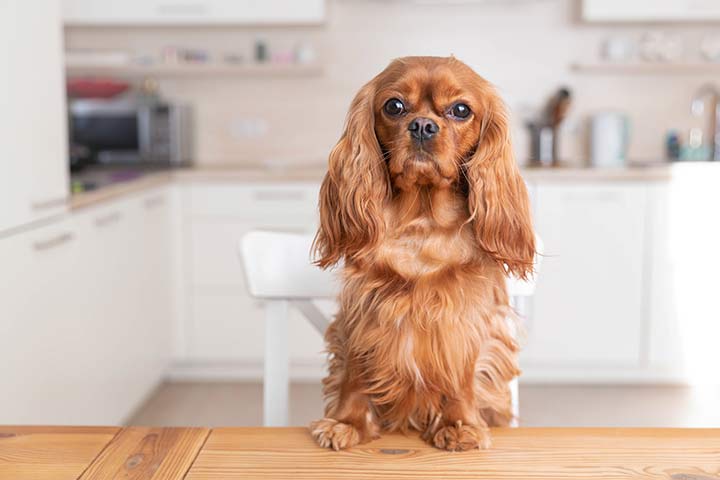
(424, 206)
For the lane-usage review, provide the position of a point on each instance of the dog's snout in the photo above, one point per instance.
(423, 128)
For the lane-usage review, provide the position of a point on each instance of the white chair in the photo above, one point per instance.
(279, 271)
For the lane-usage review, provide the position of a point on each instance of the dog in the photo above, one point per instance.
(426, 210)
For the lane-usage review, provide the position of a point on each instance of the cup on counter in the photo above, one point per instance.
(609, 139)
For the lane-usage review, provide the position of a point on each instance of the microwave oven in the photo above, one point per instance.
(129, 131)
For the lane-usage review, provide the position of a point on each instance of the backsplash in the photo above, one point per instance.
(296, 119)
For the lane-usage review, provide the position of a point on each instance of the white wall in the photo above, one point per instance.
(525, 47)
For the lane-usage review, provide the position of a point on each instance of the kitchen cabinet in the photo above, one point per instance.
(86, 313)
(223, 326)
(193, 12)
(665, 345)
(588, 309)
(33, 121)
(650, 10)
(683, 280)
(43, 107)
(151, 285)
(15, 209)
(41, 328)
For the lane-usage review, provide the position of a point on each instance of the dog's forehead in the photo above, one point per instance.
(439, 83)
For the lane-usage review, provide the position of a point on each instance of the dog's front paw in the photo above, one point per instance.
(461, 437)
(329, 433)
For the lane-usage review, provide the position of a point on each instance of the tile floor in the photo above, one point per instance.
(235, 404)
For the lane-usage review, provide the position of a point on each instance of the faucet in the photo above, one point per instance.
(712, 93)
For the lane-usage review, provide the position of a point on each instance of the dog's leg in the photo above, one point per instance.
(487, 401)
(459, 427)
(495, 369)
(349, 418)
(351, 424)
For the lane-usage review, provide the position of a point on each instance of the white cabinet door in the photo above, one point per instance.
(192, 12)
(43, 338)
(229, 327)
(34, 157)
(14, 208)
(588, 308)
(127, 304)
(683, 276)
(44, 108)
(85, 323)
(224, 325)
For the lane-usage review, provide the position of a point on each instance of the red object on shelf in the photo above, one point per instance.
(95, 87)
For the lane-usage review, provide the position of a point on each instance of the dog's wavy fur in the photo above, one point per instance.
(426, 239)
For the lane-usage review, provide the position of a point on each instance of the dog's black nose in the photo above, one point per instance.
(423, 128)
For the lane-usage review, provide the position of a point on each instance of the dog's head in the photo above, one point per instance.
(425, 122)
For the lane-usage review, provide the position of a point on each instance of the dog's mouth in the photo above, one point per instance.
(423, 156)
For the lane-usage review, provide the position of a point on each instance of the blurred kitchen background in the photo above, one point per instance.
(141, 139)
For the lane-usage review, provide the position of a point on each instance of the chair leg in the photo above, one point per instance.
(277, 377)
(518, 304)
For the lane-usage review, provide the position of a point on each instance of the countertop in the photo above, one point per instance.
(316, 173)
(154, 178)
(145, 453)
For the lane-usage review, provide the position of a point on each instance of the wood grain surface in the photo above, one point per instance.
(142, 453)
(523, 453)
(148, 453)
(53, 453)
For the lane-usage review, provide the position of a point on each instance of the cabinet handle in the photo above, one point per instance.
(264, 195)
(186, 9)
(108, 219)
(154, 202)
(48, 203)
(52, 242)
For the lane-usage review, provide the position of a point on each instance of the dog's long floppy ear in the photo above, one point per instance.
(498, 199)
(354, 189)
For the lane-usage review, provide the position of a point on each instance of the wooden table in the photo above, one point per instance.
(60, 453)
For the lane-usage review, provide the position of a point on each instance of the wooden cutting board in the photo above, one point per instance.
(262, 453)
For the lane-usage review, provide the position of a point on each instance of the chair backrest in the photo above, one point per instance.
(278, 266)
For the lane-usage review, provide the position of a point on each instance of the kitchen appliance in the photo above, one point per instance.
(136, 130)
(609, 139)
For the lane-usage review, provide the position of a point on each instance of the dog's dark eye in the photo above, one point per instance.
(394, 107)
(460, 110)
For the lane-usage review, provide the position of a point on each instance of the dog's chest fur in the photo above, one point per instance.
(420, 334)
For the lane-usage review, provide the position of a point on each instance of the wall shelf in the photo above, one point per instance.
(201, 70)
(638, 68)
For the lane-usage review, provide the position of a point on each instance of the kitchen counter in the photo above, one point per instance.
(152, 179)
(145, 453)
(631, 173)
(315, 173)
(119, 189)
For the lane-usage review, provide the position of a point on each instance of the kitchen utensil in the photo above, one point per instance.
(558, 107)
(557, 110)
(610, 138)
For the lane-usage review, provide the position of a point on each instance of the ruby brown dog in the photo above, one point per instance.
(425, 208)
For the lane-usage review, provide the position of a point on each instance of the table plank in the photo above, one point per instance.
(148, 453)
(57, 453)
(527, 453)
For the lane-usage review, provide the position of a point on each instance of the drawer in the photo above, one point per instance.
(261, 201)
(213, 246)
(231, 327)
